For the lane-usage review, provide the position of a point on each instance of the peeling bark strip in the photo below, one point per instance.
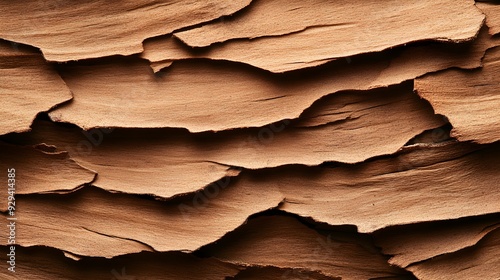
(40, 172)
(124, 93)
(492, 12)
(420, 184)
(28, 85)
(91, 222)
(284, 242)
(48, 264)
(470, 99)
(95, 28)
(477, 262)
(418, 242)
(339, 29)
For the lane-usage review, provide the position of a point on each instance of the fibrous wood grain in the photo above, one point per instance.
(469, 99)
(94, 28)
(28, 85)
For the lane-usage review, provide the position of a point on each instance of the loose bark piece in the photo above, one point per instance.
(273, 273)
(492, 12)
(92, 222)
(341, 29)
(157, 66)
(126, 94)
(475, 263)
(420, 184)
(284, 242)
(46, 264)
(28, 85)
(96, 28)
(415, 243)
(37, 171)
(469, 99)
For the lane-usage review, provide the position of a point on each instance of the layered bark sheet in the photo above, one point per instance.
(93, 28)
(125, 93)
(28, 85)
(173, 162)
(326, 30)
(250, 139)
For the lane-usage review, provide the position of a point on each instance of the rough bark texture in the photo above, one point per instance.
(250, 139)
